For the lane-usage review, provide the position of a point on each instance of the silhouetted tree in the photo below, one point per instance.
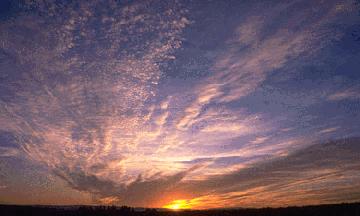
(322, 210)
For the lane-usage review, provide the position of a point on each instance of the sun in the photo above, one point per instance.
(175, 206)
(178, 205)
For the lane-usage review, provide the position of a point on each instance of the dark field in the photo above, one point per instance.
(326, 210)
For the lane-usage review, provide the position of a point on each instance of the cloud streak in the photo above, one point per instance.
(316, 174)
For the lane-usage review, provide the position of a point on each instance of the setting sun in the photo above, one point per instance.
(178, 204)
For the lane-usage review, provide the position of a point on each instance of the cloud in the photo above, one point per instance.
(251, 55)
(328, 130)
(346, 94)
(152, 191)
(140, 192)
(259, 140)
(109, 200)
(309, 175)
(193, 111)
(8, 152)
(84, 82)
(161, 120)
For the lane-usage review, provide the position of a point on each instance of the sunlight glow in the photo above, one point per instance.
(178, 204)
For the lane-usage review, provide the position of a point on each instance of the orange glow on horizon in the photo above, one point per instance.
(178, 205)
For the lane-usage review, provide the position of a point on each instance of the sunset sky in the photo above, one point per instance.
(180, 104)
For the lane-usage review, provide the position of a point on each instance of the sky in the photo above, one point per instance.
(179, 104)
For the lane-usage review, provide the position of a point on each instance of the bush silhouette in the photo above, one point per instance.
(325, 210)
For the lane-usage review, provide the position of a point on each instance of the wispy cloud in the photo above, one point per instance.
(328, 130)
(80, 108)
(259, 140)
(312, 175)
(8, 152)
(346, 94)
(252, 56)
